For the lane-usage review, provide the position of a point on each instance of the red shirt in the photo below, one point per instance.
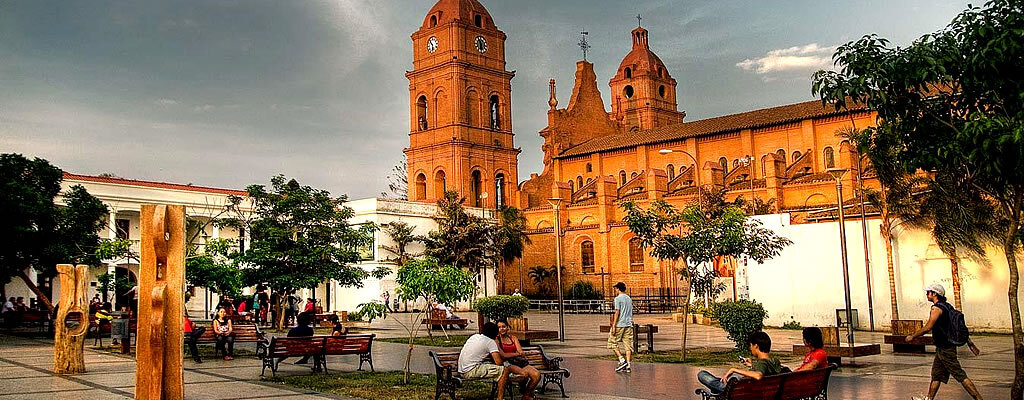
(188, 325)
(818, 355)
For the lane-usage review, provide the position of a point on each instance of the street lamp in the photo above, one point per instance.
(747, 162)
(696, 176)
(838, 173)
(556, 203)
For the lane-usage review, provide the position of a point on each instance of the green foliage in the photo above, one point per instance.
(355, 316)
(425, 279)
(402, 234)
(511, 237)
(462, 240)
(500, 307)
(541, 277)
(110, 282)
(211, 266)
(740, 319)
(583, 290)
(371, 311)
(301, 238)
(792, 325)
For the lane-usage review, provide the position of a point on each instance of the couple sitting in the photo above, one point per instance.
(506, 357)
(764, 364)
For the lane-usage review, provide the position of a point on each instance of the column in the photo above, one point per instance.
(112, 265)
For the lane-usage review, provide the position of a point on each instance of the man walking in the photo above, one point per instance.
(943, 323)
(620, 332)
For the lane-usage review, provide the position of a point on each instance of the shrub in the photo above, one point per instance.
(792, 324)
(355, 316)
(740, 319)
(371, 311)
(583, 290)
(502, 307)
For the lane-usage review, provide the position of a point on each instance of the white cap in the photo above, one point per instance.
(937, 288)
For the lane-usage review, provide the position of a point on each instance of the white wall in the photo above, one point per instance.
(805, 283)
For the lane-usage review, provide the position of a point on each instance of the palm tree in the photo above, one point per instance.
(540, 275)
(511, 237)
(402, 234)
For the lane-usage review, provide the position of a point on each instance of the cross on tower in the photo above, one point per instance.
(638, 20)
(583, 44)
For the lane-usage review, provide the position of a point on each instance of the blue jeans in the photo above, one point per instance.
(711, 382)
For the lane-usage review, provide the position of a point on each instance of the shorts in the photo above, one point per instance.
(946, 364)
(484, 371)
(623, 336)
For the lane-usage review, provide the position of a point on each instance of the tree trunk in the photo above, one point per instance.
(35, 289)
(72, 320)
(1010, 250)
(887, 238)
(954, 265)
(686, 317)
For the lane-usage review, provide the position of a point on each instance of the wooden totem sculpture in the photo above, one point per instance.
(72, 320)
(158, 373)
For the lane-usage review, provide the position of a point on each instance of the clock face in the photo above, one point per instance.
(481, 44)
(432, 44)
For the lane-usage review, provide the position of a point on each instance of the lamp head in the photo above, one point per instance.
(837, 173)
(665, 151)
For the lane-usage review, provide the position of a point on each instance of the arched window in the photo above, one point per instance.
(587, 256)
(830, 157)
(478, 21)
(782, 154)
(622, 178)
(724, 162)
(572, 186)
(495, 113)
(589, 180)
(628, 72)
(499, 190)
(636, 256)
(590, 168)
(579, 182)
(477, 185)
(628, 92)
(632, 175)
(421, 187)
(440, 186)
(671, 171)
(433, 21)
(661, 91)
(796, 156)
(472, 108)
(661, 72)
(421, 113)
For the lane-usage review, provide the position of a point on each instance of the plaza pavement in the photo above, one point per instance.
(26, 364)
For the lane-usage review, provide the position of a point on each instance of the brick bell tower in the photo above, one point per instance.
(643, 92)
(460, 125)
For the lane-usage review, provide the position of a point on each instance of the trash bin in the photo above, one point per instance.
(119, 329)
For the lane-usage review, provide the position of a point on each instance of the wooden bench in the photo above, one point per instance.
(439, 318)
(361, 345)
(281, 347)
(520, 328)
(836, 350)
(647, 329)
(446, 367)
(40, 319)
(243, 333)
(901, 328)
(812, 384)
(550, 368)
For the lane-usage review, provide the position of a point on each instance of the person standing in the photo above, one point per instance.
(387, 300)
(948, 332)
(620, 333)
(264, 302)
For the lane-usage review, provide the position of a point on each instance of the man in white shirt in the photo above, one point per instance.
(621, 332)
(477, 348)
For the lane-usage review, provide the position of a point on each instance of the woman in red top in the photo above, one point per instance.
(817, 358)
(512, 353)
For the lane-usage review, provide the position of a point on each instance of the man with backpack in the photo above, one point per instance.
(949, 331)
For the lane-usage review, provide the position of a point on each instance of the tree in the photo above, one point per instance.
(541, 275)
(952, 102)
(699, 235)
(427, 280)
(398, 181)
(36, 233)
(402, 234)
(461, 240)
(511, 236)
(300, 238)
(212, 267)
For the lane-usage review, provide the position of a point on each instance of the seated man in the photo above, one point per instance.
(763, 364)
(192, 334)
(302, 329)
(482, 346)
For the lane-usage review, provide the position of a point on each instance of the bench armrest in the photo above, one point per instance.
(262, 348)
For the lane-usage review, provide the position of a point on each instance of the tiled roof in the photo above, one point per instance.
(706, 127)
(151, 184)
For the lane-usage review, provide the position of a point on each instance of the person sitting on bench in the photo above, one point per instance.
(817, 358)
(480, 347)
(303, 329)
(763, 364)
(192, 334)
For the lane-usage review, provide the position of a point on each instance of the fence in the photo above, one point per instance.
(659, 300)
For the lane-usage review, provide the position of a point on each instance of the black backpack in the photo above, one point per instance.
(956, 332)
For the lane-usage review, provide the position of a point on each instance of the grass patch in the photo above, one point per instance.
(381, 385)
(700, 357)
(438, 341)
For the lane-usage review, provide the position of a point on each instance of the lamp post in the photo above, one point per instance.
(864, 233)
(696, 176)
(838, 173)
(556, 203)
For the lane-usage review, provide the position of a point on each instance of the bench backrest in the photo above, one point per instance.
(904, 327)
(442, 360)
(348, 344)
(296, 346)
(243, 332)
(535, 355)
(765, 389)
(788, 386)
(438, 314)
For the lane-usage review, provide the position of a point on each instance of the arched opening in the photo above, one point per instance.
(477, 186)
(632, 175)
(724, 162)
(421, 187)
(587, 256)
(590, 168)
(622, 178)
(796, 156)
(499, 190)
(661, 91)
(830, 157)
(671, 169)
(440, 186)
(782, 154)
(572, 186)
(433, 21)
(495, 113)
(478, 21)
(589, 180)
(636, 256)
(661, 72)
(472, 108)
(421, 113)
(628, 72)
(579, 182)
(628, 92)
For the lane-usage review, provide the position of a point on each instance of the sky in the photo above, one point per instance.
(228, 93)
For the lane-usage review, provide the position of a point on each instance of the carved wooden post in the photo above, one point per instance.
(158, 373)
(72, 320)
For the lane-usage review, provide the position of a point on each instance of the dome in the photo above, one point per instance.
(469, 11)
(641, 60)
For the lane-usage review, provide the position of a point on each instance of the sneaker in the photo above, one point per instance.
(629, 368)
(920, 398)
(228, 358)
(622, 366)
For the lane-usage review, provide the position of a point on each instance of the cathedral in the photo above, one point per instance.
(643, 149)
